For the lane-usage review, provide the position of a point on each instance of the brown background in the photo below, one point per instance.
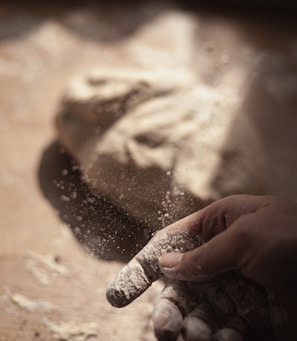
(41, 48)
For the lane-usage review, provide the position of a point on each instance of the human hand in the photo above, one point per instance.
(188, 234)
(255, 234)
(228, 308)
(214, 310)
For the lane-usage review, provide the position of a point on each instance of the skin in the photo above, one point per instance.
(238, 244)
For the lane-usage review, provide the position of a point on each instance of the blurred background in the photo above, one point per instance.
(53, 274)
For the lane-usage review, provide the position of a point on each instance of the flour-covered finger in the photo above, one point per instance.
(198, 324)
(239, 329)
(195, 329)
(169, 311)
(167, 320)
(144, 269)
(227, 334)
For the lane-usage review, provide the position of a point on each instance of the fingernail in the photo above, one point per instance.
(170, 260)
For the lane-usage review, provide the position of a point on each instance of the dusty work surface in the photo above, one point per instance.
(50, 286)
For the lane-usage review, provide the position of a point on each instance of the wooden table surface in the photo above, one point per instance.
(50, 286)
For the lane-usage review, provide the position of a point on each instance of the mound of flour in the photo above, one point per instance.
(158, 144)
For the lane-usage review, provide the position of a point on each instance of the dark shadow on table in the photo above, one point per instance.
(104, 229)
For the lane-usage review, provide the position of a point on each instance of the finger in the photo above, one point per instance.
(167, 320)
(198, 324)
(225, 226)
(221, 253)
(221, 214)
(130, 283)
(168, 312)
(144, 269)
(227, 334)
(236, 329)
(196, 329)
(216, 309)
(184, 235)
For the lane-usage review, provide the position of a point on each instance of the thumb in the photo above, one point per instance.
(218, 255)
